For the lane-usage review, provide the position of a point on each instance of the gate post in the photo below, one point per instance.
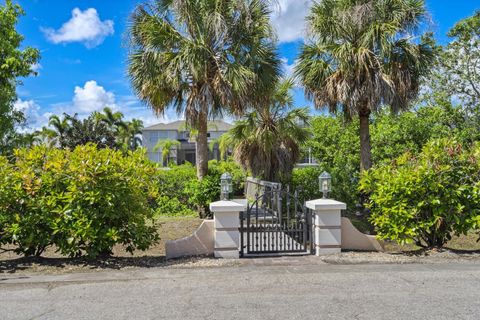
(328, 225)
(227, 222)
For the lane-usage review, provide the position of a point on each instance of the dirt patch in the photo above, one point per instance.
(464, 249)
(52, 262)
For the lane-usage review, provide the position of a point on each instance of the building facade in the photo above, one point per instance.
(177, 131)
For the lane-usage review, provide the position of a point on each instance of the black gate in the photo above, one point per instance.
(276, 222)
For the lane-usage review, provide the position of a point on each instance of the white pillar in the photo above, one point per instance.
(227, 222)
(328, 225)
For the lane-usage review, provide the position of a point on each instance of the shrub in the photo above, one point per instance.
(82, 201)
(203, 192)
(427, 198)
(180, 193)
(305, 181)
(335, 144)
(173, 200)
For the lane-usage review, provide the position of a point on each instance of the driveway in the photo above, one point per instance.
(258, 290)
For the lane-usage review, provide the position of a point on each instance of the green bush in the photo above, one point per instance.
(335, 143)
(305, 181)
(173, 199)
(203, 192)
(82, 201)
(182, 194)
(426, 198)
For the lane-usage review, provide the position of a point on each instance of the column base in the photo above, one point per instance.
(227, 254)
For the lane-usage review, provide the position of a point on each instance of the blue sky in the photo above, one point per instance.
(84, 58)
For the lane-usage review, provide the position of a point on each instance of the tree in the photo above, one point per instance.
(113, 119)
(56, 135)
(459, 68)
(14, 63)
(130, 134)
(267, 141)
(203, 58)
(89, 130)
(166, 145)
(362, 55)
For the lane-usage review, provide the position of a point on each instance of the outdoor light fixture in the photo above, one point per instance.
(325, 182)
(225, 186)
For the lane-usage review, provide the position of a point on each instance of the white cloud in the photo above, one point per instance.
(92, 97)
(288, 18)
(288, 69)
(84, 26)
(35, 119)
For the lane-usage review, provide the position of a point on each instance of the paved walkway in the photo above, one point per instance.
(286, 288)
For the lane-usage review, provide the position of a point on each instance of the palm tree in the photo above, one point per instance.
(362, 54)
(59, 129)
(267, 142)
(130, 134)
(202, 58)
(113, 119)
(166, 145)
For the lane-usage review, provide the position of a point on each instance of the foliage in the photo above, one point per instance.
(201, 58)
(267, 141)
(89, 130)
(107, 129)
(82, 201)
(173, 199)
(334, 144)
(203, 192)
(458, 73)
(305, 181)
(166, 146)
(426, 198)
(181, 193)
(362, 56)
(15, 61)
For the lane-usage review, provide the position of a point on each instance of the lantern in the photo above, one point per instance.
(226, 186)
(325, 182)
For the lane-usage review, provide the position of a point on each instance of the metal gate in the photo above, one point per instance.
(276, 222)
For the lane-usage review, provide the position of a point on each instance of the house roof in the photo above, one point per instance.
(217, 125)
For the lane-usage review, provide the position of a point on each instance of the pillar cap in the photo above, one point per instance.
(326, 204)
(227, 206)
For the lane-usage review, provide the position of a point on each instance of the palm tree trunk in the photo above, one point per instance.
(365, 145)
(202, 144)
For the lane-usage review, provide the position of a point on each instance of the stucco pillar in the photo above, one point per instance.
(328, 225)
(227, 222)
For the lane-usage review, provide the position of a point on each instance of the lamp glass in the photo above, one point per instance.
(325, 183)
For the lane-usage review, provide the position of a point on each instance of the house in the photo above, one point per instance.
(178, 131)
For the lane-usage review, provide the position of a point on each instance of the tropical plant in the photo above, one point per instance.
(426, 198)
(130, 134)
(59, 127)
(202, 58)
(335, 144)
(15, 61)
(88, 130)
(113, 119)
(166, 146)
(267, 142)
(362, 55)
(82, 201)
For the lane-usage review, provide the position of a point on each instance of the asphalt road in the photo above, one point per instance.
(437, 291)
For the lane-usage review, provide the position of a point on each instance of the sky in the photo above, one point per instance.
(84, 57)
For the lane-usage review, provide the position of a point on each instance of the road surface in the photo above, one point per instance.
(318, 291)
